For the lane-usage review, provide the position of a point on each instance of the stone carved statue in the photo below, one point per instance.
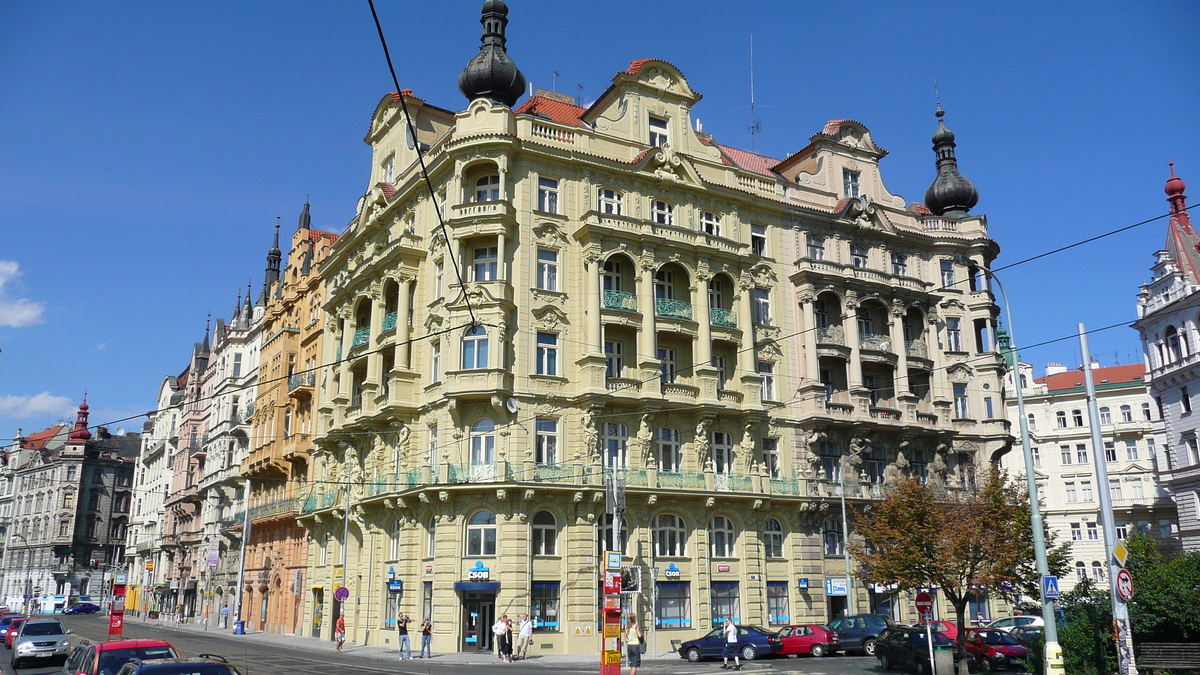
(703, 452)
(645, 440)
(591, 436)
(747, 447)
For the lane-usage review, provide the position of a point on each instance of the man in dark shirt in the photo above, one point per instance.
(402, 628)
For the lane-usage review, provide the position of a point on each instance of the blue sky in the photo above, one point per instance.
(146, 148)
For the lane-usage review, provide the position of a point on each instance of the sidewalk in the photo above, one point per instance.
(374, 652)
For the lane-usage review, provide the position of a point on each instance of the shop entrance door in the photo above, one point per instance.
(837, 606)
(479, 613)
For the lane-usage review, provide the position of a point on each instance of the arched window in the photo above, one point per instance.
(773, 538)
(1060, 418)
(1080, 571)
(1032, 423)
(1097, 571)
(833, 537)
(1106, 415)
(481, 533)
(395, 542)
(483, 442)
(606, 539)
(431, 538)
(487, 188)
(1126, 413)
(545, 533)
(670, 536)
(475, 348)
(721, 537)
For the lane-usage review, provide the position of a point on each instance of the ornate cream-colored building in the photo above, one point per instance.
(741, 339)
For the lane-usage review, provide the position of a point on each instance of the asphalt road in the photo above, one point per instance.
(253, 657)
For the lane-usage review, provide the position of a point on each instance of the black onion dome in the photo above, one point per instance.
(951, 194)
(491, 74)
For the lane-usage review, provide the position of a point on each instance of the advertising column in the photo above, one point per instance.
(610, 631)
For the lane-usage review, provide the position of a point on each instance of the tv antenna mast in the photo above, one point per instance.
(755, 126)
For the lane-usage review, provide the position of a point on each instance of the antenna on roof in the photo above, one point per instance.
(554, 82)
(579, 99)
(755, 127)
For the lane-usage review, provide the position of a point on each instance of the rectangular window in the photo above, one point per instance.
(435, 362)
(673, 609)
(850, 183)
(899, 264)
(777, 603)
(1122, 531)
(1135, 487)
(438, 275)
(662, 212)
(1076, 532)
(547, 354)
(718, 363)
(547, 269)
(816, 247)
(762, 307)
(237, 365)
(1185, 400)
(1193, 451)
(547, 195)
(1081, 454)
(1110, 451)
(988, 412)
(1114, 489)
(1093, 532)
(658, 132)
(485, 263)
(546, 451)
(767, 371)
(725, 602)
(669, 371)
(1069, 491)
(1065, 450)
(668, 450)
(722, 452)
(710, 223)
(614, 358)
(961, 407)
(948, 273)
(1085, 490)
(758, 240)
(858, 256)
(953, 335)
(487, 188)
(427, 599)
(1036, 453)
(771, 457)
(1131, 452)
(544, 596)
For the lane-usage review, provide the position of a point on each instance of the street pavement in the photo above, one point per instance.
(263, 654)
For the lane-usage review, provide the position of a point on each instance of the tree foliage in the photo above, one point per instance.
(1086, 637)
(962, 541)
(1166, 601)
(1026, 580)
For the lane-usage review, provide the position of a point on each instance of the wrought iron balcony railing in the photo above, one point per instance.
(677, 309)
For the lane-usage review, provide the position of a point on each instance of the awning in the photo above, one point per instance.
(477, 585)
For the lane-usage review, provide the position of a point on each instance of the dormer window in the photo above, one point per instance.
(658, 132)
(487, 188)
(662, 212)
(850, 183)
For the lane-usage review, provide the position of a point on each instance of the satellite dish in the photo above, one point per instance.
(511, 405)
(120, 431)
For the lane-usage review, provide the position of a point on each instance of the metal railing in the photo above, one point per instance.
(916, 348)
(389, 321)
(669, 307)
(361, 337)
(831, 335)
(683, 480)
(279, 507)
(722, 317)
(301, 380)
(620, 300)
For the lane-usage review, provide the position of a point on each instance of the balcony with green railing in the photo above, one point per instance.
(671, 308)
(275, 509)
(875, 343)
(389, 321)
(301, 380)
(682, 480)
(553, 473)
(722, 317)
(633, 477)
(361, 337)
(620, 300)
(831, 335)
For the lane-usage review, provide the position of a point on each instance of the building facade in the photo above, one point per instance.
(738, 340)
(283, 426)
(1060, 436)
(1169, 325)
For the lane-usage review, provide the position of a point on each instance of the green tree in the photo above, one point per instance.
(1166, 600)
(959, 540)
(1086, 637)
(1027, 581)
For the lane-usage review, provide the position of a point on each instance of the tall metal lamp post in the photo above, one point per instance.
(1053, 655)
(28, 571)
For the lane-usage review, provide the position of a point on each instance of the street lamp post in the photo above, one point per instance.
(28, 571)
(1053, 654)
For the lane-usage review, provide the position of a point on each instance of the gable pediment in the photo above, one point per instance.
(667, 165)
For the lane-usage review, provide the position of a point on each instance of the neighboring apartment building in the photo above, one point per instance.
(72, 502)
(283, 426)
(735, 337)
(1060, 436)
(1169, 325)
(10, 458)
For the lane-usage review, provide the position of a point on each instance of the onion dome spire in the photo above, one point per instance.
(951, 194)
(80, 433)
(274, 255)
(491, 74)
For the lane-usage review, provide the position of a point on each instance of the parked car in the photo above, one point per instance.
(947, 628)
(82, 608)
(39, 639)
(6, 621)
(205, 664)
(807, 638)
(1010, 622)
(995, 649)
(859, 631)
(13, 627)
(1028, 635)
(753, 642)
(907, 647)
(97, 658)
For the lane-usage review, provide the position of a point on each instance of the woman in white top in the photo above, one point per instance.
(633, 644)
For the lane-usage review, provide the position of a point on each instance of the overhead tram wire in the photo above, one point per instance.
(412, 131)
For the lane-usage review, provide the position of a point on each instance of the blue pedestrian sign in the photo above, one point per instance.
(1050, 587)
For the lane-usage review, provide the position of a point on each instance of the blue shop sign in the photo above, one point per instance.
(395, 585)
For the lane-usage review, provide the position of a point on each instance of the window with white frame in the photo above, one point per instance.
(389, 170)
(613, 439)
(1036, 454)
(1105, 416)
(953, 334)
(1080, 571)
(767, 371)
(397, 529)
(758, 240)
(1093, 532)
(487, 188)
(435, 361)
(481, 534)
(484, 265)
(1122, 531)
(816, 247)
(610, 201)
(1097, 571)
(1076, 532)
(962, 408)
(721, 537)
(1146, 412)
(1085, 491)
(1193, 451)
(770, 451)
(547, 354)
(475, 348)
(772, 538)
(859, 256)
(1110, 451)
(710, 223)
(438, 275)
(899, 264)
(483, 442)
(1060, 419)
(1114, 489)
(1069, 492)
(614, 359)
(547, 269)
(612, 275)
(833, 537)
(1185, 400)
(762, 306)
(662, 212)
(668, 450)
(670, 536)
(948, 273)
(722, 452)
(1136, 491)
(850, 186)
(718, 363)
(546, 441)
(547, 199)
(658, 131)
(1081, 453)
(669, 370)
(545, 533)
(1077, 417)
(1126, 413)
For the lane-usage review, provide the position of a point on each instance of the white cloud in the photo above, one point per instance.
(21, 407)
(16, 312)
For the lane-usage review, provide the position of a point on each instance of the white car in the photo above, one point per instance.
(39, 639)
(1010, 622)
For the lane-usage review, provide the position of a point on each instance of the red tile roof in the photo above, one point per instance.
(564, 113)
(1073, 379)
(760, 164)
(407, 93)
(316, 235)
(40, 439)
(635, 66)
(389, 190)
(918, 207)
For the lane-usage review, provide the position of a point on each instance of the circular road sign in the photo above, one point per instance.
(924, 603)
(341, 594)
(1124, 585)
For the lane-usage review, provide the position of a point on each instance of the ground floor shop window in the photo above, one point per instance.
(390, 608)
(545, 606)
(978, 607)
(673, 608)
(885, 604)
(427, 600)
(725, 603)
(777, 603)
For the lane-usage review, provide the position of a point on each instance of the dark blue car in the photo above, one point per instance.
(82, 608)
(753, 642)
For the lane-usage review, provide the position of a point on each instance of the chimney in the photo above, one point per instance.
(1054, 368)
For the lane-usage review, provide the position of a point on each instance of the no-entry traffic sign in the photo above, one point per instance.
(1124, 585)
(924, 603)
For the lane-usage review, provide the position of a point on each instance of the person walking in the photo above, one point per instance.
(730, 632)
(426, 639)
(497, 633)
(402, 629)
(635, 641)
(339, 631)
(506, 641)
(524, 636)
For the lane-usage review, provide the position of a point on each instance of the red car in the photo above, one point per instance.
(807, 638)
(13, 629)
(995, 649)
(947, 628)
(108, 657)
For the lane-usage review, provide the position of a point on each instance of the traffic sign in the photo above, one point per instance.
(341, 594)
(924, 603)
(1125, 584)
(1121, 553)
(1050, 587)
(612, 560)
(835, 586)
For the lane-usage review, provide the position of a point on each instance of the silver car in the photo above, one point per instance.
(39, 639)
